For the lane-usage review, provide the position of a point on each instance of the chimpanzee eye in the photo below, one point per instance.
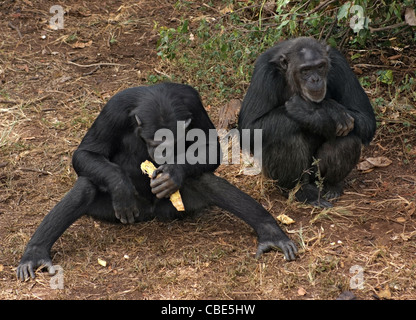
(305, 72)
(321, 67)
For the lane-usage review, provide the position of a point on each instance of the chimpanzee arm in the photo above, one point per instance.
(344, 87)
(64, 213)
(170, 177)
(92, 158)
(328, 118)
(265, 93)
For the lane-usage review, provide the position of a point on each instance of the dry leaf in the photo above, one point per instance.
(81, 45)
(395, 57)
(378, 162)
(301, 291)
(227, 9)
(410, 17)
(401, 219)
(411, 209)
(207, 18)
(228, 114)
(364, 166)
(285, 219)
(385, 293)
(23, 67)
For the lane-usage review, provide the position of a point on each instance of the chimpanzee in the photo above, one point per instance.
(314, 117)
(111, 186)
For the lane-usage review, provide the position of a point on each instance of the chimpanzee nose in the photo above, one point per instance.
(315, 78)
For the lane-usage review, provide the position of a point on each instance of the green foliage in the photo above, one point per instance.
(216, 50)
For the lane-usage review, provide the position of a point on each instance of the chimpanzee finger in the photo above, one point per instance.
(350, 123)
(25, 271)
(157, 172)
(290, 250)
(125, 215)
(265, 247)
(164, 190)
(120, 216)
(130, 216)
(339, 130)
(344, 131)
(159, 180)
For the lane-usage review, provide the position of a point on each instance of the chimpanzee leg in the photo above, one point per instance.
(289, 161)
(102, 208)
(336, 160)
(66, 212)
(209, 189)
(163, 210)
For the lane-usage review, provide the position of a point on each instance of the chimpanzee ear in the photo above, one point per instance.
(187, 122)
(139, 122)
(283, 62)
(280, 61)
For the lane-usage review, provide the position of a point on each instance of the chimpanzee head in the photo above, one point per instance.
(158, 118)
(305, 63)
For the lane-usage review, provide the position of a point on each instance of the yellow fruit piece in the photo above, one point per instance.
(285, 219)
(176, 200)
(102, 262)
(148, 168)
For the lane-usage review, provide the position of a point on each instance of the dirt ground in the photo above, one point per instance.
(53, 85)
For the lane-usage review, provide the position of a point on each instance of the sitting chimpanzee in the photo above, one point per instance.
(111, 186)
(314, 117)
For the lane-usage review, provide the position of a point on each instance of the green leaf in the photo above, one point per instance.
(343, 11)
(386, 76)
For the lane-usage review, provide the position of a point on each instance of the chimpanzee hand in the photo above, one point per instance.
(343, 121)
(297, 106)
(33, 258)
(166, 180)
(272, 237)
(287, 246)
(124, 202)
(344, 125)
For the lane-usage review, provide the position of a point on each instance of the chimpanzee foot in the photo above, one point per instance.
(320, 203)
(287, 246)
(310, 194)
(333, 192)
(31, 260)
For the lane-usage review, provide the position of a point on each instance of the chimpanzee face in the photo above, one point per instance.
(306, 71)
(312, 74)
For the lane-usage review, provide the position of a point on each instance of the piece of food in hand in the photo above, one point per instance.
(148, 168)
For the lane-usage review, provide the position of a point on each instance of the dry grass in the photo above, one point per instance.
(46, 106)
